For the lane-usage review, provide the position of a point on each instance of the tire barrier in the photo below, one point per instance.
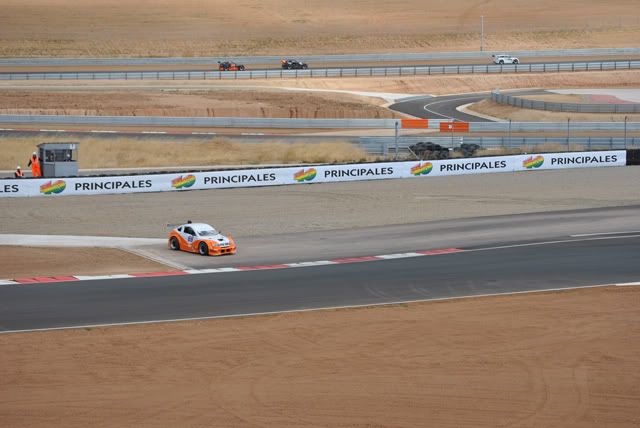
(633, 157)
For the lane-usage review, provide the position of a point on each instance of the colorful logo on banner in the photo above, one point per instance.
(53, 187)
(422, 169)
(533, 162)
(302, 175)
(183, 182)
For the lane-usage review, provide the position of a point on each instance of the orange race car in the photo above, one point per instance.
(201, 238)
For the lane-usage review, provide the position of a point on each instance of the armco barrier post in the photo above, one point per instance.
(396, 139)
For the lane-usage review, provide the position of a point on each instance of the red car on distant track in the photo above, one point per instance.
(229, 66)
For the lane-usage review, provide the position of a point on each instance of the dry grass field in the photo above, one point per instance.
(224, 27)
(132, 153)
(566, 359)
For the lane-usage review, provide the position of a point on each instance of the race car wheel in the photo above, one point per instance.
(501, 62)
(174, 244)
(515, 61)
(203, 249)
(304, 66)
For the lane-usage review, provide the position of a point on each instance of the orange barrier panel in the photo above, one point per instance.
(415, 123)
(454, 126)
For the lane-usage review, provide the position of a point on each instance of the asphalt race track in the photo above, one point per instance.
(446, 107)
(577, 263)
(390, 239)
(373, 64)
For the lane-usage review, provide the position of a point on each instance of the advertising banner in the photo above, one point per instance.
(53, 187)
(573, 160)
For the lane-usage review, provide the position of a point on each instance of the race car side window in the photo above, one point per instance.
(180, 229)
(189, 231)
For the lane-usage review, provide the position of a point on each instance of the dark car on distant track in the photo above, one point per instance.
(229, 66)
(293, 64)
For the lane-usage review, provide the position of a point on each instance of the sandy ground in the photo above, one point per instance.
(531, 115)
(287, 209)
(565, 359)
(600, 96)
(556, 98)
(19, 262)
(624, 95)
(196, 28)
(218, 102)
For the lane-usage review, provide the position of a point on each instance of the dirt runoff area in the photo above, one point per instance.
(20, 262)
(219, 102)
(284, 27)
(565, 359)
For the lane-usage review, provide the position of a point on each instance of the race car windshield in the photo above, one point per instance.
(209, 232)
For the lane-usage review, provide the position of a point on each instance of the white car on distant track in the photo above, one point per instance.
(505, 59)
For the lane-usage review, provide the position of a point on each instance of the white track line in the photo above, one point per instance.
(628, 284)
(97, 277)
(533, 244)
(581, 235)
(445, 101)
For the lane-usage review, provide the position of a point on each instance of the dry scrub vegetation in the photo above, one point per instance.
(217, 102)
(226, 27)
(131, 153)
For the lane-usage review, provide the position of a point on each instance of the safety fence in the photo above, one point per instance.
(441, 125)
(386, 146)
(175, 182)
(516, 101)
(394, 71)
(341, 58)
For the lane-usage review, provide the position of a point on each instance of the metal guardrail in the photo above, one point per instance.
(374, 57)
(568, 126)
(204, 122)
(420, 70)
(285, 123)
(515, 101)
(385, 146)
